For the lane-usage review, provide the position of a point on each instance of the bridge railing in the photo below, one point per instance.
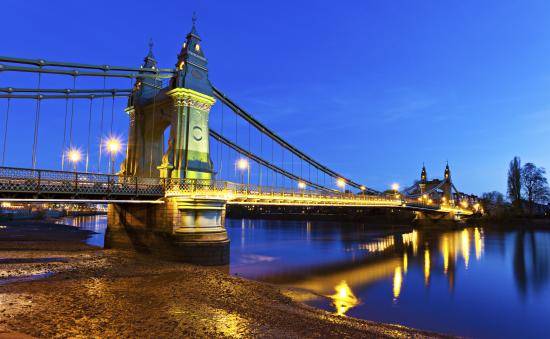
(50, 182)
(250, 191)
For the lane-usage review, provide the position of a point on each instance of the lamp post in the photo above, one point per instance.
(113, 146)
(395, 189)
(342, 184)
(243, 165)
(74, 156)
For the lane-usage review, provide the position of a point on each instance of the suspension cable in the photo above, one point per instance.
(105, 68)
(112, 113)
(63, 146)
(72, 116)
(36, 123)
(77, 73)
(100, 148)
(259, 160)
(89, 134)
(239, 111)
(5, 132)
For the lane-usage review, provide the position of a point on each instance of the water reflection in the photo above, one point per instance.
(343, 299)
(531, 261)
(397, 281)
(396, 276)
(94, 223)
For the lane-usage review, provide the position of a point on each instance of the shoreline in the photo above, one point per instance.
(96, 292)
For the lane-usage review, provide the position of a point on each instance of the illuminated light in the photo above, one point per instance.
(184, 44)
(411, 238)
(478, 243)
(443, 199)
(464, 203)
(395, 186)
(301, 185)
(343, 299)
(197, 47)
(362, 188)
(420, 199)
(405, 262)
(74, 155)
(113, 145)
(397, 282)
(182, 64)
(378, 246)
(242, 164)
(425, 196)
(341, 183)
(430, 201)
(465, 246)
(445, 253)
(426, 266)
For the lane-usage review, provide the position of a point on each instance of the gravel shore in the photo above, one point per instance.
(53, 285)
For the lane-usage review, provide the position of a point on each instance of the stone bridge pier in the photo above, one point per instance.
(183, 228)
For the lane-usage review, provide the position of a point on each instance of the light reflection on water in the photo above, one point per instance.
(457, 281)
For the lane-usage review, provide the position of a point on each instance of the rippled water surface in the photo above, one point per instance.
(470, 281)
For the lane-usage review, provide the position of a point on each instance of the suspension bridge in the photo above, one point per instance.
(189, 151)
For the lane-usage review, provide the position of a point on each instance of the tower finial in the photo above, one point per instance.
(151, 44)
(194, 18)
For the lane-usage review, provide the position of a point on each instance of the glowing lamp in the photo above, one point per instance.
(113, 145)
(74, 155)
(242, 164)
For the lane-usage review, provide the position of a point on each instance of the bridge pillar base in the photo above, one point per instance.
(183, 229)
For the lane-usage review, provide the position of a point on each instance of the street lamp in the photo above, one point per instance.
(301, 185)
(113, 146)
(395, 189)
(74, 156)
(244, 165)
(342, 184)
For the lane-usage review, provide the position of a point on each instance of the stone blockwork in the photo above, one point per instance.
(183, 229)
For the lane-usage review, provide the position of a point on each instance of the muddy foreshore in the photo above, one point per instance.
(53, 285)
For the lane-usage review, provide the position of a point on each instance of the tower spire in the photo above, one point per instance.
(447, 171)
(192, 64)
(151, 44)
(423, 174)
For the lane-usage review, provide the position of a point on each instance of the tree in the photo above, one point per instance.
(535, 185)
(514, 182)
(493, 203)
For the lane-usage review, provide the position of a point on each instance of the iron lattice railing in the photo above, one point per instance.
(21, 180)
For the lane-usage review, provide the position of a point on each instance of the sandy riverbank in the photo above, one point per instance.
(84, 291)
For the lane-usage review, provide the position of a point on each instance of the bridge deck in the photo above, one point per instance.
(28, 185)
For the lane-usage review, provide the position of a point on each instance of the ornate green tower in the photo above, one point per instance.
(188, 154)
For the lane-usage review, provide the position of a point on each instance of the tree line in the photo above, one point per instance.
(527, 194)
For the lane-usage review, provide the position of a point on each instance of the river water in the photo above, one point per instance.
(470, 281)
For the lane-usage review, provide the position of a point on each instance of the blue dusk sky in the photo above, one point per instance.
(370, 88)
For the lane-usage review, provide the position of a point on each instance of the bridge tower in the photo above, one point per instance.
(423, 180)
(448, 185)
(188, 227)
